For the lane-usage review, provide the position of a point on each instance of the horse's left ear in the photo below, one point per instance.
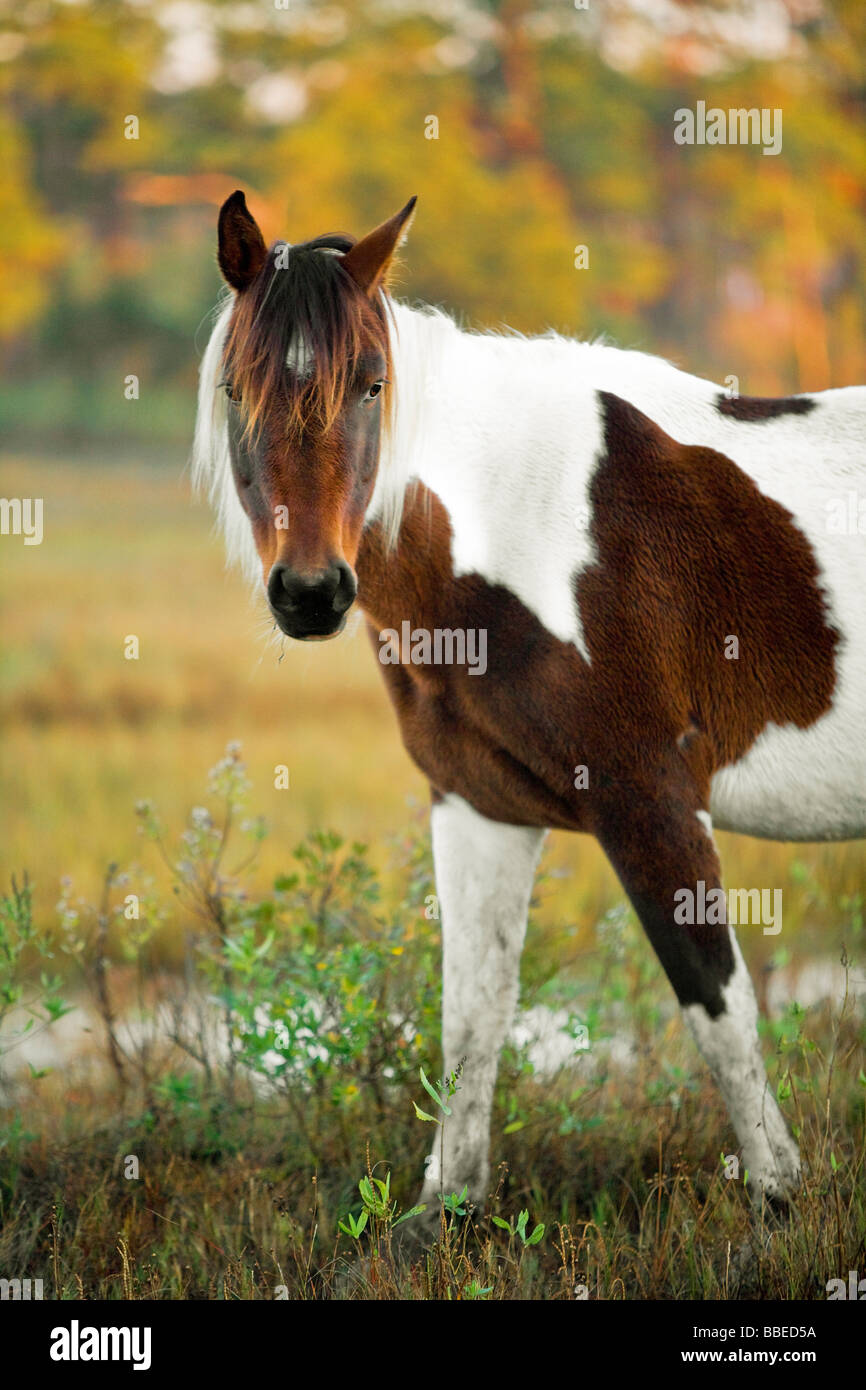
(369, 258)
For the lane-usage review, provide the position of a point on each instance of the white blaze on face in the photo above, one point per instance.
(299, 358)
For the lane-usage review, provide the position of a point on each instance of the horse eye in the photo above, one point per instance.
(373, 392)
(230, 392)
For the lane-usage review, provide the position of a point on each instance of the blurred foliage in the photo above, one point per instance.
(555, 130)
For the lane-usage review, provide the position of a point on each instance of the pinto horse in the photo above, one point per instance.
(674, 625)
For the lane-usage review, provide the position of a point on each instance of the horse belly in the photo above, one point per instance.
(796, 784)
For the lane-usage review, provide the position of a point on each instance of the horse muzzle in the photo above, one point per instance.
(311, 606)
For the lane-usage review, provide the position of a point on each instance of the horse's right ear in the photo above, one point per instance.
(242, 251)
(369, 259)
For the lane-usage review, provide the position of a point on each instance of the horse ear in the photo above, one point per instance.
(369, 258)
(242, 251)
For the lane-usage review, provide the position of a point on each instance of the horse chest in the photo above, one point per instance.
(483, 743)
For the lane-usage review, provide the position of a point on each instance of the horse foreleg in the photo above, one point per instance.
(484, 877)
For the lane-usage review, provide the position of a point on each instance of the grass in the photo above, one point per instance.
(626, 1216)
(241, 1194)
(238, 1193)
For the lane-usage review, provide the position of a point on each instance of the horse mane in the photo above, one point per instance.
(211, 456)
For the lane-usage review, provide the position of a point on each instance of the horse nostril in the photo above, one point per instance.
(326, 585)
(333, 588)
(282, 586)
(346, 587)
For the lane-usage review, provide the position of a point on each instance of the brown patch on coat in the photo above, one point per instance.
(690, 554)
(755, 408)
(470, 734)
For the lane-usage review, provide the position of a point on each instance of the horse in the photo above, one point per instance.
(671, 603)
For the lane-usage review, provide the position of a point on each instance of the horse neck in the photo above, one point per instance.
(457, 397)
(489, 423)
(481, 426)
